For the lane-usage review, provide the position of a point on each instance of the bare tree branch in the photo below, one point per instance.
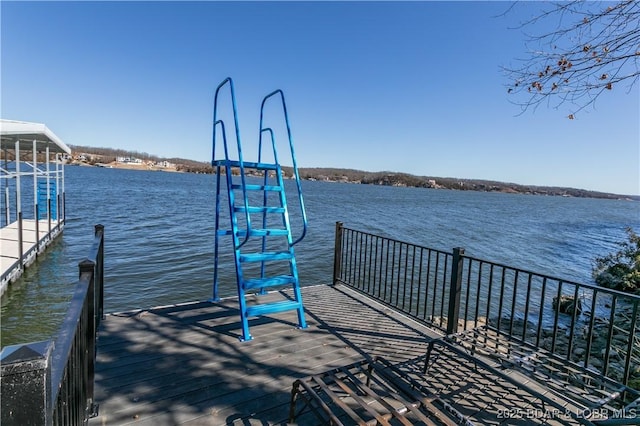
(594, 48)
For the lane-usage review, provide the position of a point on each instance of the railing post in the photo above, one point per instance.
(99, 277)
(26, 384)
(87, 266)
(337, 254)
(455, 290)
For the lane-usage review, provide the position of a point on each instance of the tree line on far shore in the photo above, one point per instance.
(386, 178)
(108, 155)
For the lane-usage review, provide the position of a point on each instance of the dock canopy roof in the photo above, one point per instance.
(25, 133)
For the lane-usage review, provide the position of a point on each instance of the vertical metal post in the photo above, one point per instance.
(36, 214)
(48, 190)
(99, 230)
(64, 196)
(5, 179)
(19, 206)
(25, 371)
(337, 254)
(216, 242)
(455, 290)
(632, 336)
(58, 174)
(6, 205)
(87, 266)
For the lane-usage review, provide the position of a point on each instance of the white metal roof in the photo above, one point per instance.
(25, 133)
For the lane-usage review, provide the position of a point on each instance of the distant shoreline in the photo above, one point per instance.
(401, 180)
(126, 166)
(106, 157)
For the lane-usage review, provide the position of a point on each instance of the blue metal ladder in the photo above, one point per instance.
(264, 254)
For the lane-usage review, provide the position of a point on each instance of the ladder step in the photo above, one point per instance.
(252, 187)
(247, 164)
(255, 232)
(260, 209)
(268, 232)
(269, 282)
(266, 256)
(272, 308)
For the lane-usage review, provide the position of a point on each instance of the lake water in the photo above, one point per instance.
(159, 236)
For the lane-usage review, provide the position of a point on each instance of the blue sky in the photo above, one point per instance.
(413, 87)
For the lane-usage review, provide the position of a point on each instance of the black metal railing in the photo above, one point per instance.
(406, 276)
(51, 382)
(591, 326)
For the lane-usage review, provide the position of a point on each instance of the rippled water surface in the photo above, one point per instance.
(159, 237)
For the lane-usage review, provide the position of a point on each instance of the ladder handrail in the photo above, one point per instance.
(226, 150)
(215, 296)
(275, 155)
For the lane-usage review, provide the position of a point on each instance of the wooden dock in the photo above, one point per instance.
(184, 364)
(32, 245)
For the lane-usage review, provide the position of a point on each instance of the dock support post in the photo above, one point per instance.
(58, 179)
(6, 189)
(63, 197)
(19, 208)
(7, 211)
(35, 196)
(455, 290)
(49, 191)
(337, 254)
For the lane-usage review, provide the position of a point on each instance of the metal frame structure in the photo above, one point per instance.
(30, 151)
(454, 293)
(267, 202)
(583, 353)
(369, 392)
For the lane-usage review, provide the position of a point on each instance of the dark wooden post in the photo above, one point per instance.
(337, 254)
(455, 290)
(25, 371)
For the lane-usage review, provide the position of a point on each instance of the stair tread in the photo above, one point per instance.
(269, 255)
(260, 209)
(269, 282)
(247, 164)
(268, 231)
(255, 232)
(272, 308)
(254, 187)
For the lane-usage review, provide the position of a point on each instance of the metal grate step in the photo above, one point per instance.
(259, 209)
(272, 308)
(269, 282)
(255, 232)
(254, 187)
(266, 256)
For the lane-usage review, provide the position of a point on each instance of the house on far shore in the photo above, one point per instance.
(165, 164)
(128, 160)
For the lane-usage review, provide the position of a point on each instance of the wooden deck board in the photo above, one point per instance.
(185, 365)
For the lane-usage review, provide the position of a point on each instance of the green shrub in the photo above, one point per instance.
(620, 270)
